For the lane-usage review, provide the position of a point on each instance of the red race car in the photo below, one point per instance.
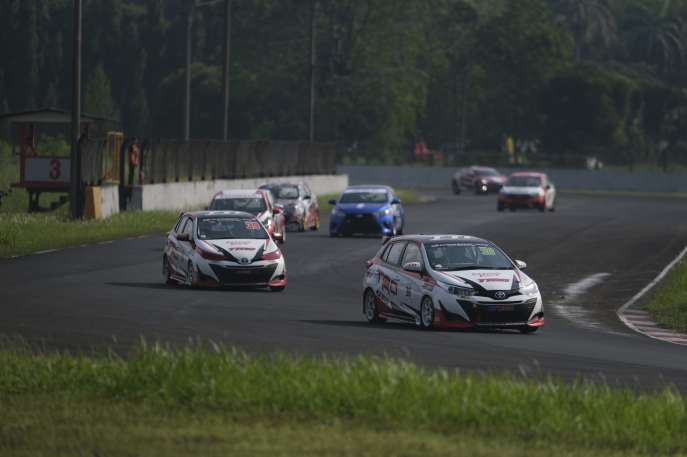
(258, 202)
(480, 180)
(527, 190)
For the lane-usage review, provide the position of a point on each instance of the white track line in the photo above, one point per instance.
(641, 322)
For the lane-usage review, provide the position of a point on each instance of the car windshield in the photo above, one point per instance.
(523, 181)
(493, 173)
(223, 228)
(364, 196)
(285, 192)
(253, 205)
(466, 256)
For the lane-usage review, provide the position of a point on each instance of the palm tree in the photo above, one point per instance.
(656, 35)
(589, 21)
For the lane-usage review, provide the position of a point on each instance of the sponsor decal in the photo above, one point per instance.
(238, 243)
(482, 275)
(487, 251)
(499, 308)
(241, 249)
(494, 280)
(382, 297)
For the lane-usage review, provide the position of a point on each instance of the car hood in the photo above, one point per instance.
(486, 279)
(520, 190)
(239, 248)
(361, 208)
(493, 179)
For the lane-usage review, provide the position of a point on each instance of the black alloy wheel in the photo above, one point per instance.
(166, 272)
(371, 310)
(189, 274)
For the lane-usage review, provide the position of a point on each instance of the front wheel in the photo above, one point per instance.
(283, 234)
(277, 288)
(499, 206)
(371, 310)
(166, 272)
(317, 222)
(189, 275)
(427, 313)
(455, 187)
(528, 329)
(477, 191)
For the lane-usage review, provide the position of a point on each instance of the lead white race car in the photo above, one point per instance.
(223, 248)
(451, 281)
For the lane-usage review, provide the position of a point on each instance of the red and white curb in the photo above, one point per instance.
(641, 321)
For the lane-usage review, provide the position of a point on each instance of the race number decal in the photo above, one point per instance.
(252, 226)
(487, 251)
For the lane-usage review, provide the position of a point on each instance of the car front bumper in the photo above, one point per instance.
(361, 223)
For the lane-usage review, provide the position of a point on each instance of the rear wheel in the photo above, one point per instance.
(512, 209)
(371, 310)
(166, 272)
(283, 234)
(277, 288)
(455, 187)
(499, 206)
(542, 207)
(528, 329)
(427, 313)
(477, 191)
(189, 274)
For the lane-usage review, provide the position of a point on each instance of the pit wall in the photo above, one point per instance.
(101, 202)
(440, 177)
(197, 194)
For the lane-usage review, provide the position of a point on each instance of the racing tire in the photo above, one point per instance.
(283, 235)
(528, 329)
(166, 272)
(333, 235)
(542, 207)
(189, 275)
(427, 313)
(277, 288)
(302, 226)
(477, 191)
(400, 232)
(317, 222)
(512, 209)
(455, 187)
(552, 209)
(500, 206)
(371, 310)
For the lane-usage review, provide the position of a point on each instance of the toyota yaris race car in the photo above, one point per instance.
(451, 281)
(480, 180)
(258, 202)
(527, 190)
(367, 210)
(301, 210)
(222, 248)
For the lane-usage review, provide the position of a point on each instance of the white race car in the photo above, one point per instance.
(223, 248)
(452, 281)
(258, 202)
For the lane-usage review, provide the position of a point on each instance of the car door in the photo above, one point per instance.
(174, 254)
(466, 178)
(390, 280)
(411, 281)
(185, 246)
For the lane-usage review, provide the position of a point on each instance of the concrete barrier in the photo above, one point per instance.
(440, 177)
(197, 194)
(101, 202)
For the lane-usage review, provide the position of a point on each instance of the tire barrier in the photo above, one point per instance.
(176, 160)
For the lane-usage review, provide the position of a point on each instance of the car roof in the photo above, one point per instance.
(531, 174)
(217, 213)
(439, 238)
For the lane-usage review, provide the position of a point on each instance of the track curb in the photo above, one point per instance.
(641, 321)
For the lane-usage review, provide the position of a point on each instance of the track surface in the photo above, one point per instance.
(94, 296)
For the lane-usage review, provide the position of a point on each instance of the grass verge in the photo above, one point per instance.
(668, 304)
(22, 233)
(163, 402)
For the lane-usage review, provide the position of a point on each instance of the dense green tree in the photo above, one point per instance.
(590, 21)
(586, 110)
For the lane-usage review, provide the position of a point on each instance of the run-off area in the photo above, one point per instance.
(113, 294)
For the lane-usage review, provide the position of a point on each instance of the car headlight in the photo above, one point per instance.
(529, 289)
(459, 290)
(337, 213)
(381, 213)
(484, 181)
(538, 193)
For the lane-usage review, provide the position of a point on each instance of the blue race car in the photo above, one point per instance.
(368, 210)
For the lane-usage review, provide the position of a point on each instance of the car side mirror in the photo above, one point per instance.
(307, 197)
(548, 186)
(413, 266)
(332, 202)
(396, 201)
(276, 210)
(183, 237)
(520, 264)
(277, 237)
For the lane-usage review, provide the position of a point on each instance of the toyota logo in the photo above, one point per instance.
(244, 260)
(500, 295)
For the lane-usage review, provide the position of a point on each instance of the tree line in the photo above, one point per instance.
(569, 76)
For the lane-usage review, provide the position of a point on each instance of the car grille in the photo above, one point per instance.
(482, 313)
(518, 196)
(244, 275)
(366, 223)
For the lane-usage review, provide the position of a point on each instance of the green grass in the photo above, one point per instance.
(406, 196)
(668, 304)
(197, 402)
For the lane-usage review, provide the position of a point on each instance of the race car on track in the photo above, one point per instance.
(527, 190)
(258, 202)
(301, 210)
(368, 210)
(223, 248)
(480, 180)
(452, 281)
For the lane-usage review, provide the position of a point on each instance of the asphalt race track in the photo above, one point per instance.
(112, 294)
